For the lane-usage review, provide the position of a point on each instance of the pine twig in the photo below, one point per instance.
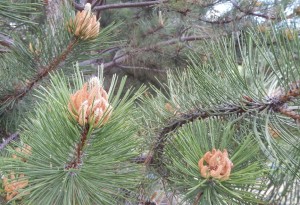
(251, 12)
(6, 141)
(76, 162)
(245, 13)
(43, 72)
(97, 2)
(121, 5)
(152, 31)
(289, 113)
(277, 104)
(126, 56)
(198, 198)
(292, 93)
(6, 42)
(173, 124)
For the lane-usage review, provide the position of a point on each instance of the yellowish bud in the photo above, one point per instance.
(85, 25)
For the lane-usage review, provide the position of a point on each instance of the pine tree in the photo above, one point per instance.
(221, 129)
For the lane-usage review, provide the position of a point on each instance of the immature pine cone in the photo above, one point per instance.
(85, 24)
(218, 165)
(90, 104)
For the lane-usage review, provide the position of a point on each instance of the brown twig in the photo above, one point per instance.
(121, 5)
(198, 198)
(77, 161)
(97, 2)
(6, 42)
(155, 154)
(291, 94)
(245, 13)
(44, 71)
(9, 139)
(289, 113)
(224, 21)
(277, 104)
(152, 30)
(251, 12)
(126, 56)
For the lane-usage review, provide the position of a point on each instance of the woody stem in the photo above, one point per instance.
(12, 137)
(79, 149)
(277, 104)
(43, 72)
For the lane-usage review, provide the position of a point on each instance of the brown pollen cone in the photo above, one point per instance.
(90, 104)
(218, 165)
(12, 185)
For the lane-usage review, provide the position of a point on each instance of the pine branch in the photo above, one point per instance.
(173, 124)
(126, 56)
(291, 94)
(282, 98)
(276, 103)
(77, 161)
(198, 198)
(152, 30)
(252, 13)
(121, 5)
(143, 68)
(6, 42)
(289, 113)
(8, 140)
(43, 72)
(97, 2)
(245, 13)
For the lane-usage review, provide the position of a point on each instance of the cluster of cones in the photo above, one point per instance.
(218, 165)
(12, 184)
(90, 104)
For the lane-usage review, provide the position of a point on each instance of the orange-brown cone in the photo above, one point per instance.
(90, 104)
(12, 185)
(218, 165)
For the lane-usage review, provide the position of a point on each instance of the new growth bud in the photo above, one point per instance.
(218, 165)
(90, 104)
(85, 25)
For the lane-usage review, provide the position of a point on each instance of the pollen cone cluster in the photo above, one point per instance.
(12, 185)
(218, 165)
(85, 25)
(90, 104)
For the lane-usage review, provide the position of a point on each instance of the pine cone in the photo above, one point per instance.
(90, 104)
